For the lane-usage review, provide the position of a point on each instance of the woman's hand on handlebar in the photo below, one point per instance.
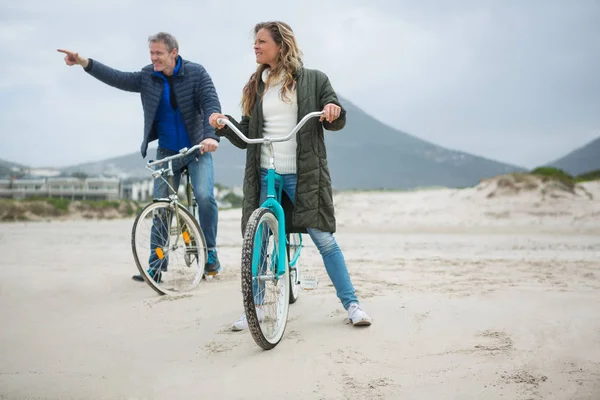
(331, 112)
(212, 120)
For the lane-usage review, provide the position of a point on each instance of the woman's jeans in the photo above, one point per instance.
(325, 242)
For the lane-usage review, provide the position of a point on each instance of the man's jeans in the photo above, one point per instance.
(200, 168)
(335, 265)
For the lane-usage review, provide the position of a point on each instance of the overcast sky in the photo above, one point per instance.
(513, 80)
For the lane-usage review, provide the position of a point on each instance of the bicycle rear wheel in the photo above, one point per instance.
(266, 297)
(294, 247)
(169, 248)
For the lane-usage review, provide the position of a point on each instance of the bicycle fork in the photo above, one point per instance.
(279, 253)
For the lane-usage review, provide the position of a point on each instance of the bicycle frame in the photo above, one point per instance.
(273, 201)
(297, 255)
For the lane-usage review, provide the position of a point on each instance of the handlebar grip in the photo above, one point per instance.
(220, 121)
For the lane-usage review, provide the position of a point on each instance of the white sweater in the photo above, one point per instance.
(280, 117)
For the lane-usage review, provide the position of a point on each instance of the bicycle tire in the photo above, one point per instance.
(293, 244)
(266, 340)
(195, 236)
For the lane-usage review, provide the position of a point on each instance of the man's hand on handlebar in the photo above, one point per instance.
(208, 145)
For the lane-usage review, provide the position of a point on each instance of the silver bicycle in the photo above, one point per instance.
(168, 244)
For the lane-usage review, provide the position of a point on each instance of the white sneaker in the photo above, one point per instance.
(357, 316)
(242, 323)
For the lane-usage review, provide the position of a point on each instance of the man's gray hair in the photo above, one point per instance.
(168, 39)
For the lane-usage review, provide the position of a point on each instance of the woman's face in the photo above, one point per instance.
(265, 48)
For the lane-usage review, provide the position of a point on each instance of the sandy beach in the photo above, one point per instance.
(473, 296)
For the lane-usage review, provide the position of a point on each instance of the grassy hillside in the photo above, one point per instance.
(560, 175)
(36, 208)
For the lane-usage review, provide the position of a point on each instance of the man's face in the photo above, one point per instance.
(162, 60)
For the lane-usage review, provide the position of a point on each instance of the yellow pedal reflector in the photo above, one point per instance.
(186, 237)
(160, 253)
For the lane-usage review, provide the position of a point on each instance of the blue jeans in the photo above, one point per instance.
(200, 168)
(335, 265)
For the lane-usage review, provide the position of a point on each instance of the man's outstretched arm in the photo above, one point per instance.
(129, 81)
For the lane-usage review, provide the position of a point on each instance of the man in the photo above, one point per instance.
(177, 98)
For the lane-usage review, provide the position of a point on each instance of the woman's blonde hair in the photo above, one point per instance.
(288, 63)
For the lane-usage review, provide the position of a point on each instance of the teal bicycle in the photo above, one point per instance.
(270, 256)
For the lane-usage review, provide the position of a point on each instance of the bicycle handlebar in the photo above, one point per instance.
(223, 121)
(182, 153)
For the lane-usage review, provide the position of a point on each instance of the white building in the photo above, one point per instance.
(62, 187)
(95, 189)
(141, 190)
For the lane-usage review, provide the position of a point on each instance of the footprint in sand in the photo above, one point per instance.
(162, 299)
(496, 342)
(335, 313)
(214, 348)
(590, 275)
(422, 317)
(355, 387)
(528, 382)
(226, 330)
(291, 335)
(524, 377)
(582, 375)
(173, 297)
(348, 357)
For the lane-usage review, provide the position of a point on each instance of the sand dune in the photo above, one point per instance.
(473, 296)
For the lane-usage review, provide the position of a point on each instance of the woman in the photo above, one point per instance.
(276, 97)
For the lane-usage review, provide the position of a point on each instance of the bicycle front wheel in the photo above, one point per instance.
(266, 295)
(169, 248)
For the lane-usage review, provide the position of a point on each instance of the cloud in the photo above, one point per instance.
(512, 81)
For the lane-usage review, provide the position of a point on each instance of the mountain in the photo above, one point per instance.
(581, 160)
(10, 164)
(366, 154)
(7, 166)
(129, 165)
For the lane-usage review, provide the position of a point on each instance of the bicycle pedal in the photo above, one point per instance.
(309, 282)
